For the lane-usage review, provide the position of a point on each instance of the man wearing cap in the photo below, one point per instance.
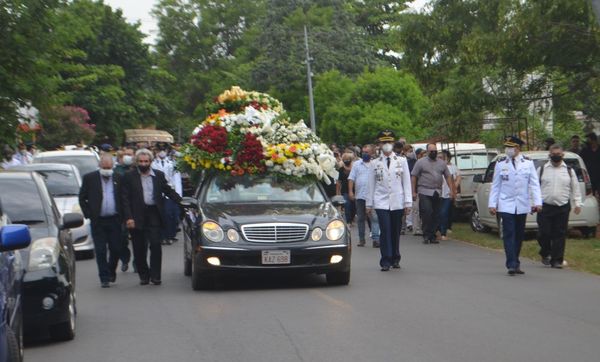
(389, 193)
(515, 179)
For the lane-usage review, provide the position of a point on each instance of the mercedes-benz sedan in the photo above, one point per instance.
(269, 224)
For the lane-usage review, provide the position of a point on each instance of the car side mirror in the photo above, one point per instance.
(13, 237)
(338, 200)
(478, 178)
(189, 203)
(72, 220)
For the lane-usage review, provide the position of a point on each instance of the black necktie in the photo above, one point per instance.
(388, 162)
(162, 162)
(513, 161)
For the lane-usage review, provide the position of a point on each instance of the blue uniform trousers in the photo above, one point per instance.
(390, 224)
(513, 228)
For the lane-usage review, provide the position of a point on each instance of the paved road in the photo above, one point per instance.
(451, 302)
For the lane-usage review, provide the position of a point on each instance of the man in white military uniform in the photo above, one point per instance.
(389, 193)
(515, 192)
(163, 163)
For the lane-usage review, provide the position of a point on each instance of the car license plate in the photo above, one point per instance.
(276, 257)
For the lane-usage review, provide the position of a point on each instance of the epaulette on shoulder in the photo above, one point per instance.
(526, 158)
(503, 158)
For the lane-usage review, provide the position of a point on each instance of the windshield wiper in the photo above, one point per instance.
(28, 222)
(65, 194)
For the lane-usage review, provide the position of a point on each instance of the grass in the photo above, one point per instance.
(581, 254)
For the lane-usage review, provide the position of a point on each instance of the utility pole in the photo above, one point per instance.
(311, 100)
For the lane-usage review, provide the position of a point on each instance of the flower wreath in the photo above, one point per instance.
(250, 133)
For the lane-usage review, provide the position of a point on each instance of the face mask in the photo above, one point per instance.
(556, 158)
(510, 151)
(366, 157)
(411, 155)
(433, 155)
(162, 154)
(143, 169)
(387, 148)
(106, 173)
(347, 163)
(127, 160)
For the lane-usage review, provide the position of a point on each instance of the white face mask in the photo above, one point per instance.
(106, 173)
(510, 151)
(127, 160)
(162, 154)
(387, 147)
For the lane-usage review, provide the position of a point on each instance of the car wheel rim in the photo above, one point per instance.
(475, 221)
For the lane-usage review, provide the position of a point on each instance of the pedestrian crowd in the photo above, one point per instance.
(394, 189)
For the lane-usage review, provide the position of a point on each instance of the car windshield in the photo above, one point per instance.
(85, 164)
(22, 202)
(60, 183)
(242, 189)
(474, 160)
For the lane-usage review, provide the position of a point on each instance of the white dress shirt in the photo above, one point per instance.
(515, 189)
(558, 187)
(389, 187)
(360, 176)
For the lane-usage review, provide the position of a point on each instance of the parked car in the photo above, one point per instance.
(63, 182)
(49, 282)
(86, 161)
(586, 221)
(12, 237)
(263, 223)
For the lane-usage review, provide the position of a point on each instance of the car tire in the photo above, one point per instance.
(14, 345)
(65, 331)
(476, 222)
(187, 266)
(201, 280)
(587, 232)
(338, 278)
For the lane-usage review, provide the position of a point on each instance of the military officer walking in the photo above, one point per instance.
(389, 193)
(515, 192)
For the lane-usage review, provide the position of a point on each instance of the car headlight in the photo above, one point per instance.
(233, 235)
(212, 231)
(43, 254)
(317, 234)
(335, 230)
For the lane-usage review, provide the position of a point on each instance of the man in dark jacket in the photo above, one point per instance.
(144, 191)
(100, 201)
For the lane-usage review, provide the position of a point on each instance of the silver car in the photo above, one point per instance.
(63, 182)
(85, 161)
(586, 221)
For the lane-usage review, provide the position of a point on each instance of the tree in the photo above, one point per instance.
(66, 125)
(355, 110)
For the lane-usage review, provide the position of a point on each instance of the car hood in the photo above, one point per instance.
(312, 214)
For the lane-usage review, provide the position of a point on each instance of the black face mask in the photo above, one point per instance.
(347, 163)
(556, 158)
(143, 169)
(432, 155)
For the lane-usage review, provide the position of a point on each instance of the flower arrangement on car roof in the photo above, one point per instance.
(250, 133)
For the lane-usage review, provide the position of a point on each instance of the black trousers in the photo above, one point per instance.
(429, 208)
(148, 237)
(106, 232)
(553, 223)
(125, 252)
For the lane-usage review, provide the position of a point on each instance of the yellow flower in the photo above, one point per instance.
(193, 165)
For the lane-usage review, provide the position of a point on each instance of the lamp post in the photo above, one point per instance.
(311, 100)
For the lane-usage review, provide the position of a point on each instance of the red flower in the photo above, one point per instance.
(211, 139)
(251, 152)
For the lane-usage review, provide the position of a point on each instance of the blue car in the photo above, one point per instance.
(12, 237)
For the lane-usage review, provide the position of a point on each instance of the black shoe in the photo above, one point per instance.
(155, 281)
(512, 272)
(434, 241)
(124, 267)
(396, 266)
(376, 244)
(105, 285)
(113, 278)
(426, 241)
(556, 265)
(144, 281)
(361, 243)
(546, 260)
(385, 268)
(519, 271)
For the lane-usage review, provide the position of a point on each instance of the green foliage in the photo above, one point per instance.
(66, 125)
(356, 110)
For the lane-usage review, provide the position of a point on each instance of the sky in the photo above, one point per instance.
(139, 10)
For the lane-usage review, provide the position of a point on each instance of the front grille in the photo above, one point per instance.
(275, 232)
